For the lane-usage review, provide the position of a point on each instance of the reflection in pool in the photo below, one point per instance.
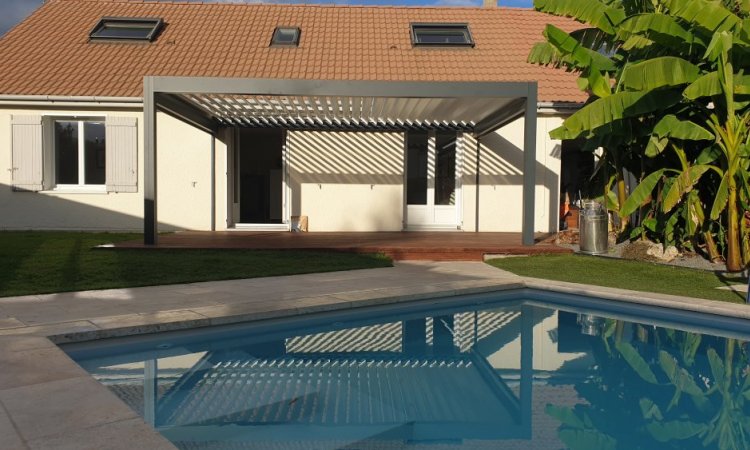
(520, 373)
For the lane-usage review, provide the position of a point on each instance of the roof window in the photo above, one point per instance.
(441, 34)
(285, 37)
(126, 29)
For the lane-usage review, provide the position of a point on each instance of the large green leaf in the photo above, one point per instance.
(712, 16)
(671, 126)
(674, 430)
(641, 193)
(636, 361)
(707, 85)
(684, 184)
(720, 198)
(678, 376)
(592, 12)
(617, 106)
(564, 415)
(586, 440)
(659, 72)
(717, 366)
(582, 56)
(660, 28)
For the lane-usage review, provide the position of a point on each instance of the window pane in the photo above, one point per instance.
(127, 32)
(94, 152)
(285, 36)
(441, 34)
(66, 152)
(441, 37)
(445, 170)
(416, 166)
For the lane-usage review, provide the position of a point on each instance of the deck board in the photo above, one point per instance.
(432, 246)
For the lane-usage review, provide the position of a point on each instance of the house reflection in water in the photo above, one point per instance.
(459, 379)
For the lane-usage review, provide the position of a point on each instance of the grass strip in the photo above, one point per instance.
(625, 274)
(45, 262)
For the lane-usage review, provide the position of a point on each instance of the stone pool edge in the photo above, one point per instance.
(56, 404)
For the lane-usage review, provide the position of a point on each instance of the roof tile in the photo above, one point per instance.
(231, 40)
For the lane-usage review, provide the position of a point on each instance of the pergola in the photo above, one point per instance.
(211, 103)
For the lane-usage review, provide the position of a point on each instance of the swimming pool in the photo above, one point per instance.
(524, 369)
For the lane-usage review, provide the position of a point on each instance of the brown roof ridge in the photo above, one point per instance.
(305, 5)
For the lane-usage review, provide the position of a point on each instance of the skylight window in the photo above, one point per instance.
(285, 36)
(441, 34)
(126, 29)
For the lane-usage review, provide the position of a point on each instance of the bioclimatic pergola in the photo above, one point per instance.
(212, 103)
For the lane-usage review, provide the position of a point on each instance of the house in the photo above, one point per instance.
(131, 115)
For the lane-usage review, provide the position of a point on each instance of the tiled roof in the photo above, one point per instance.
(49, 53)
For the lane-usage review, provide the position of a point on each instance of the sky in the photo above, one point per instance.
(13, 11)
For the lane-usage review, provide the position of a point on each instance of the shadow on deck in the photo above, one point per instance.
(433, 246)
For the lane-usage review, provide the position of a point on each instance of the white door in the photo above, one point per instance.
(433, 191)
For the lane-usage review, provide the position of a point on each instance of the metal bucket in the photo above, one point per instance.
(593, 227)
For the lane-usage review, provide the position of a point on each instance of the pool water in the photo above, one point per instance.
(524, 370)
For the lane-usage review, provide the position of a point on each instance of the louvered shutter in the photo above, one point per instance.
(122, 154)
(27, 165)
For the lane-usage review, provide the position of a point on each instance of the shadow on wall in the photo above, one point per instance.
(348, 181)
(42, 211)
(501, 163)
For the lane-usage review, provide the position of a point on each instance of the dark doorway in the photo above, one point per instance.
(261, 178)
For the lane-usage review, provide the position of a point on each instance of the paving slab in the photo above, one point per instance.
(63, 406)
(9, 437)
(108, 436)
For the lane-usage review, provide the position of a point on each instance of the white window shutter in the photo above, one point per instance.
(27, 164)
(122, 154)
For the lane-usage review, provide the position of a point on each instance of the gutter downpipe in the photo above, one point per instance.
(213, 182)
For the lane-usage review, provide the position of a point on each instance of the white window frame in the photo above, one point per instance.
(81, 187)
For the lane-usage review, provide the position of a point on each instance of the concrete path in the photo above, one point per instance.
(49, 402)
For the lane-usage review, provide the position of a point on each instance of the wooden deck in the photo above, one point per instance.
(434, 246)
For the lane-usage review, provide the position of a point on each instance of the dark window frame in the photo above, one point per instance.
(295, 43)
(438, 27)
(156, 24)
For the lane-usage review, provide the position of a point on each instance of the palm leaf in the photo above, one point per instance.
(671, 126)
(592, 12)
(721, 197)
(660, 28)
(659, 72)
(641, 193)
(674, 430)
(655, 146)
(636, 361)
(636, 42)
(568, 45)
(617, 106)
(594, 39)
(684, 184)
(707, 85)
(710, 15)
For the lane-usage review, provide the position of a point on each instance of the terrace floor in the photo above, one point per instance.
(433, 246)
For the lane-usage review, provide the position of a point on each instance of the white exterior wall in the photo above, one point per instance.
(501, 179)
(347, 181)
(183, 158)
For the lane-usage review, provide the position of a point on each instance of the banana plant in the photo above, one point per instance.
(668, 389)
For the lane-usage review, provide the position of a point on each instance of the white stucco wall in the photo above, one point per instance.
(343, 181)
(183, 158)
(501, 179)
(347, 181)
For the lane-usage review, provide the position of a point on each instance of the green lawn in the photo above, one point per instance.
(42, 262)
(640, 276)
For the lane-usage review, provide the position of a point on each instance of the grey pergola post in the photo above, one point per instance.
(529, 165)
(150, 221)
